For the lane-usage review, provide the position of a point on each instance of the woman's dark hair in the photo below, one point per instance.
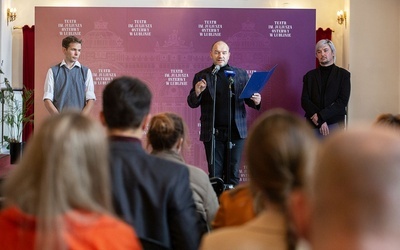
(280, 150)
(165, 129)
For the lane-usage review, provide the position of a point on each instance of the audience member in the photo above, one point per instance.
(237, 206)
(389, 120)
(59, 197)
(353, 200)
(279, 150)
(152, 194)
(167, 136)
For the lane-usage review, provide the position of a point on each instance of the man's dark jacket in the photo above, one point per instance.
(154, 196)
(331, 107)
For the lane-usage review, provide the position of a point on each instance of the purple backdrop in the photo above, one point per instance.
(166, 46)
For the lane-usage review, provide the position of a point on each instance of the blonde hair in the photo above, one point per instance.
(64, 168)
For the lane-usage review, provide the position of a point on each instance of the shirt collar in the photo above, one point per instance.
(77, 64)
(124, 138)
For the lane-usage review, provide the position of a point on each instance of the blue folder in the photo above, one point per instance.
(256, 83)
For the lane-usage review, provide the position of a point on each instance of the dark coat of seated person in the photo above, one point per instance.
(152, 194)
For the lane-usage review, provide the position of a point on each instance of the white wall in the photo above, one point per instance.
(6, 43)
(374, 58)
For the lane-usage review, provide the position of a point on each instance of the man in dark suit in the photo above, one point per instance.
(151, 194)
(326, 91)
(202, 94)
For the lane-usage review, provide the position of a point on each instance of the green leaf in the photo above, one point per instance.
(15, 110)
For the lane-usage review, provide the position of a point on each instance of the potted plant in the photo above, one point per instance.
(14, 117)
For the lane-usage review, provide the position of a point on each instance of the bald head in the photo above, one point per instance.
(220, 53)
(357, 182)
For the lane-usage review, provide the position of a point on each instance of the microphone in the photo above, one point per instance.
(230, 74)
(215, 70)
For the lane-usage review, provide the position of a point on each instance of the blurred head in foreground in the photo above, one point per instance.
(280, 152)
(353, 196)
(64, 169)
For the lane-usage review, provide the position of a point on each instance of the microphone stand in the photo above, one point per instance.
(230, 145)
(212, 156)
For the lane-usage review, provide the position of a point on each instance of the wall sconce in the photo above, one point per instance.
(341, 17)
(11, 15)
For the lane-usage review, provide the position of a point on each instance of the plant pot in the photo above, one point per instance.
(16, 149)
